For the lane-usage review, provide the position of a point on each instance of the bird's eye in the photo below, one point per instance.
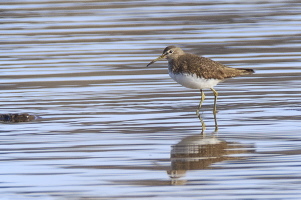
(170, 51)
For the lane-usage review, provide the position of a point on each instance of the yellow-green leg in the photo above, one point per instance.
(215, 122)
(198, 112)
(200, 105)
(203, 124)
(215, 99)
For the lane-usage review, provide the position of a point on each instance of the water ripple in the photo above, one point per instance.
(105, 125)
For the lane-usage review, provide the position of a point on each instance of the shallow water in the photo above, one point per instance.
(107, 127)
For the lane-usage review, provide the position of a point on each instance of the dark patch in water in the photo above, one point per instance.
(17, 117)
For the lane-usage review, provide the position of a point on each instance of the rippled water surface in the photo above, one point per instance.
(104, 126)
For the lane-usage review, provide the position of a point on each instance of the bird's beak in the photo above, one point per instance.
(159, 58)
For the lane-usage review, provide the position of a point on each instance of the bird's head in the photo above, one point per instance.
(169, 53)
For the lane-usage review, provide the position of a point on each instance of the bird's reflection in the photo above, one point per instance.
(204, 125)
(200, 151)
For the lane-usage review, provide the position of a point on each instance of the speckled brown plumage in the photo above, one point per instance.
(202, 67)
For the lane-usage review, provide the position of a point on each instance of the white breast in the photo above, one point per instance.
(194, 82)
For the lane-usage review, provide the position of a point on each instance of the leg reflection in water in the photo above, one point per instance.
(204, 125)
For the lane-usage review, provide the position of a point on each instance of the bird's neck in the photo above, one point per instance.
(170, 65)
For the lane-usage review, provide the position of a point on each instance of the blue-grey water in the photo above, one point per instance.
(107, 127)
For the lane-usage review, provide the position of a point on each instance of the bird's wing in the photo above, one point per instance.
(207, 68)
